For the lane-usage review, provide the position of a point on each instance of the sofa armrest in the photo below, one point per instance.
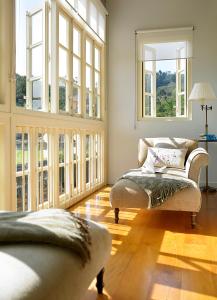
(197, 159)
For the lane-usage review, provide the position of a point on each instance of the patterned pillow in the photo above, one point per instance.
(165, 157)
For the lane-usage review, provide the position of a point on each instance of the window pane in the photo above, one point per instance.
(45, 186)
(166, 88)
(61, 148)
(21, 8)
(97, 59)
(97, 83)
(19, 152)
(76, 71)
(88, 79)
(93, 17)
(26, 151)
(26, 192)
(20, 90)
(37, 23)
(182, 105)
(62, 63)
(182, 64)
(102, 27)
(88, 52)
(62, 95)
(61, 180)
(76, 42)
(148, 105)
(82, 4)
(76, 106)
(149, 65)
(63, 31)
(37, 61)
(19, 184)
(182, 82)
(40, 188)
(45, 150)
(36, 95)
(97, 106)
(148, 78)
(88, 104)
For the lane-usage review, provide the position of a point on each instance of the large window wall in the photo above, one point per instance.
(40, 183)
(75, 65)
(47, 159)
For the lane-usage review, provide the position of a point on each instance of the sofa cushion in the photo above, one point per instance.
(164, 157)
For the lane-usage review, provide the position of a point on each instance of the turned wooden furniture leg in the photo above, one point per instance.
(99, 281)
(116, 215)
(193, 219)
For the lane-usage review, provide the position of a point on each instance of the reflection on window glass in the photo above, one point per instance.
(63, 31)
(62, 95)
(37, 95)
(62, 63)
(76, 100)
(102, 27)
(61, 164)
(148, 83)
(37, 32)
(97, 59)
(82, 4)
(88, 52)
(76, 71)
(97, 83)
(76, 42)
(93, 17)
(148, 105)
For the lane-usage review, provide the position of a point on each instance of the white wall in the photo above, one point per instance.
(126, 16)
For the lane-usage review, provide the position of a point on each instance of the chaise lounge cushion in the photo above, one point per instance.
(36, 271)
(127, 194)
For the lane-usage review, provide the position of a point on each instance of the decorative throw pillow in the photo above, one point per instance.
(164, 157)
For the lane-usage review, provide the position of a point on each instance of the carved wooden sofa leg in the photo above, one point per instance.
(99, 281)
(116, 215)
(193, 219)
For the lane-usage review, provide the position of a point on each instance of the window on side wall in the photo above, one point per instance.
(164, 74)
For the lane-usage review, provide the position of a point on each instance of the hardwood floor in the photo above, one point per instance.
(156, 255)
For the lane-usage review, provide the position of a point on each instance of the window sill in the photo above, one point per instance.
(51, 115)
(166, 119)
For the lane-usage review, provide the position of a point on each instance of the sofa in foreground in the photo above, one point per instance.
(127, 194)
(42, 271)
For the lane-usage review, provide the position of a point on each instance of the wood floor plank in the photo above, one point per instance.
(155, 254)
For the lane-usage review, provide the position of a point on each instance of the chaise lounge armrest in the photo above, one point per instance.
(197, 159)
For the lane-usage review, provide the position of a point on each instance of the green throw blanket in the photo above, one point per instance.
(49, 226)
(158, 186)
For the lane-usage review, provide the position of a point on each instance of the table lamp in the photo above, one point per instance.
(202, 92)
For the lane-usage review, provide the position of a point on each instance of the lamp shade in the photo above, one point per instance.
(202, 91)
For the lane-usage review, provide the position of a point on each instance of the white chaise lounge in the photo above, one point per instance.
(40, 271)
(127, 194)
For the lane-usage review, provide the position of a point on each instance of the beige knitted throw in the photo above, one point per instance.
(49, 226)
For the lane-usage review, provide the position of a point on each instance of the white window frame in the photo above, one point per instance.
(144, 37)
